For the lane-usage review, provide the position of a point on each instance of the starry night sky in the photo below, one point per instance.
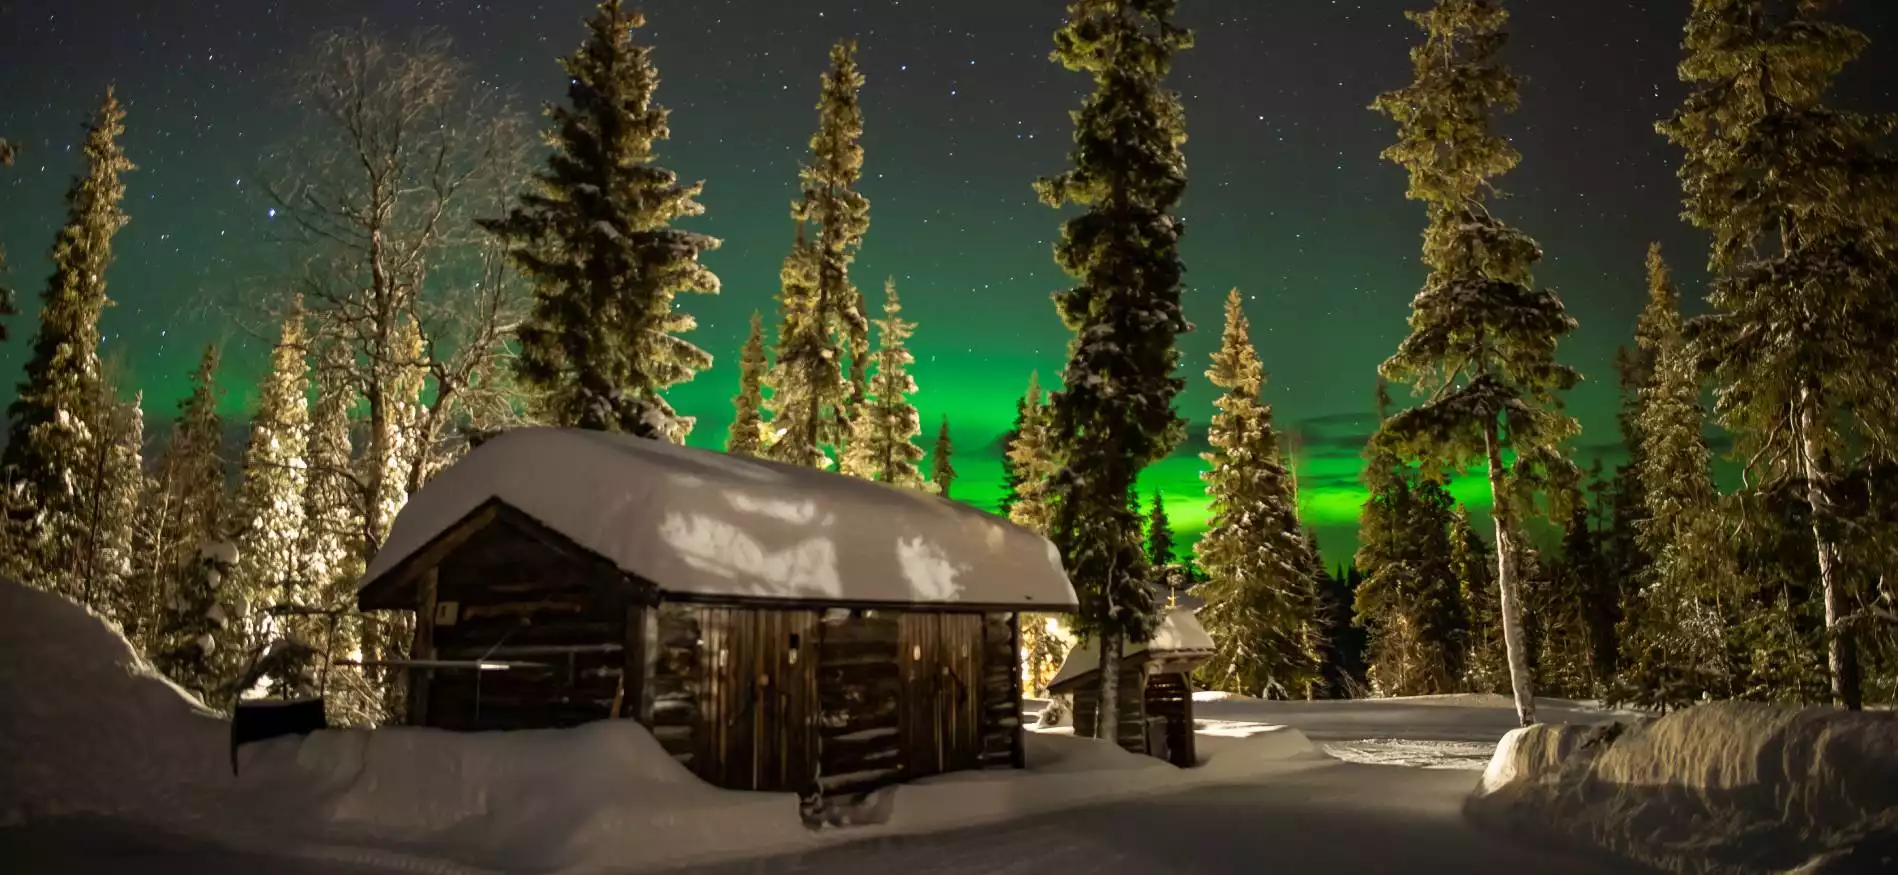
(1289, 201)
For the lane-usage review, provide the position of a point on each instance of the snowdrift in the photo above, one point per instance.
(1731, 787)
(90, 729)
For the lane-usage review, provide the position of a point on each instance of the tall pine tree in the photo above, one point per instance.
(1485, 663)
(883, 446)
(1483, 337)
(813, 396)
(1261, 588)
(50, 422)
(1032, 456)
(1114, 414)
(1679, 634)
(942, 467)
(596, 239)
(1802, 324)
(1159, 533)
(747, 434)
(268, 510)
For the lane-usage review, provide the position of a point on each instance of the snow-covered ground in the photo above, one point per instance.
(94, 736)
(1733, 788)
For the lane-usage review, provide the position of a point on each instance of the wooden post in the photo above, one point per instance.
(423, 648)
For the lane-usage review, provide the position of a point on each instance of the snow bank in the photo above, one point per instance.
(88, 727)
(1729, 787)
(600, 797)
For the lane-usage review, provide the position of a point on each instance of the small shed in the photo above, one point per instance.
(778, 628)
(1156, 688)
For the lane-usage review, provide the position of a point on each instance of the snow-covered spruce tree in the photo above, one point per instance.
(883, 445)
(1031, 458)
(1571, 660)
(1261, 597)
(1114, 414)
(747, 434)
(1483, 337)
(118, 488)
(1011, 480)
(942, 467)
(200, 647)
(267, 514)
(1032, 454)
(1409, 602)
(596, 239)
(812, 394)
(1160, 550)
(1802, 325)
(1485, 664)
(1677, 651)
(190, 490)
(328, 553)
(49, 437)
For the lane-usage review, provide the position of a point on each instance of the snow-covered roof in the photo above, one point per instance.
(1179, 632)
(697, 522)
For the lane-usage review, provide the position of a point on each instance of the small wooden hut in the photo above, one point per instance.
(1156, 688)
(778, 628)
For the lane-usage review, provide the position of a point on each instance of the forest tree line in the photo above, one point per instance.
(454, 281)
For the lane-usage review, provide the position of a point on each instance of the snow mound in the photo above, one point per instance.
(595, 798)
(1460, 755)
(1729, 787)
(88, 726)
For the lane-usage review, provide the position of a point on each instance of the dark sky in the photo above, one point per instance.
(1289, 201)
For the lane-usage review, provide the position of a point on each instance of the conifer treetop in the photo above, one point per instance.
(942, 469)
(746, 437)
(51, 419)
(1483, 337)
(882, 447)
(596, 238)
(1114, 411)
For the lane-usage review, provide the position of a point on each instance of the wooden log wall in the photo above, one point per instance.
(1000, 695)
(516, 599)
(670, 707)
(860, 684)
(1170, 696)
(1132, 727)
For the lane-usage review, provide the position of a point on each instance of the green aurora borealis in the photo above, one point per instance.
(1289, 201)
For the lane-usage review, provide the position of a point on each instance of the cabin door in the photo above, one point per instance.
(941, 657)
(761, 706)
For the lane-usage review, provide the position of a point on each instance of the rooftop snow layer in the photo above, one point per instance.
(704, 523)
(1179, 632)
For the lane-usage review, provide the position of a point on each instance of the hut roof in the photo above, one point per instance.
(702, 523)
(1179, 634)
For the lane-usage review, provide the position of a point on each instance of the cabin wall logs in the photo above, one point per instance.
(511, 598)
(867, 699)
(1132, 726)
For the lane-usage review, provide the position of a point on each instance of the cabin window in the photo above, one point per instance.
(916, 652)
(721, 657)
(446, 613)
(791, 655)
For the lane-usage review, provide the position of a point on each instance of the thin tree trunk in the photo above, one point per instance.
(1107, 717)
(1841, 655)
(1515, 643)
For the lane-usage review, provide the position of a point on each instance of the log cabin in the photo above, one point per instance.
(777, 628)
(1155, 690)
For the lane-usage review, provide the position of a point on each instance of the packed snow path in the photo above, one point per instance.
(1331, 817)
